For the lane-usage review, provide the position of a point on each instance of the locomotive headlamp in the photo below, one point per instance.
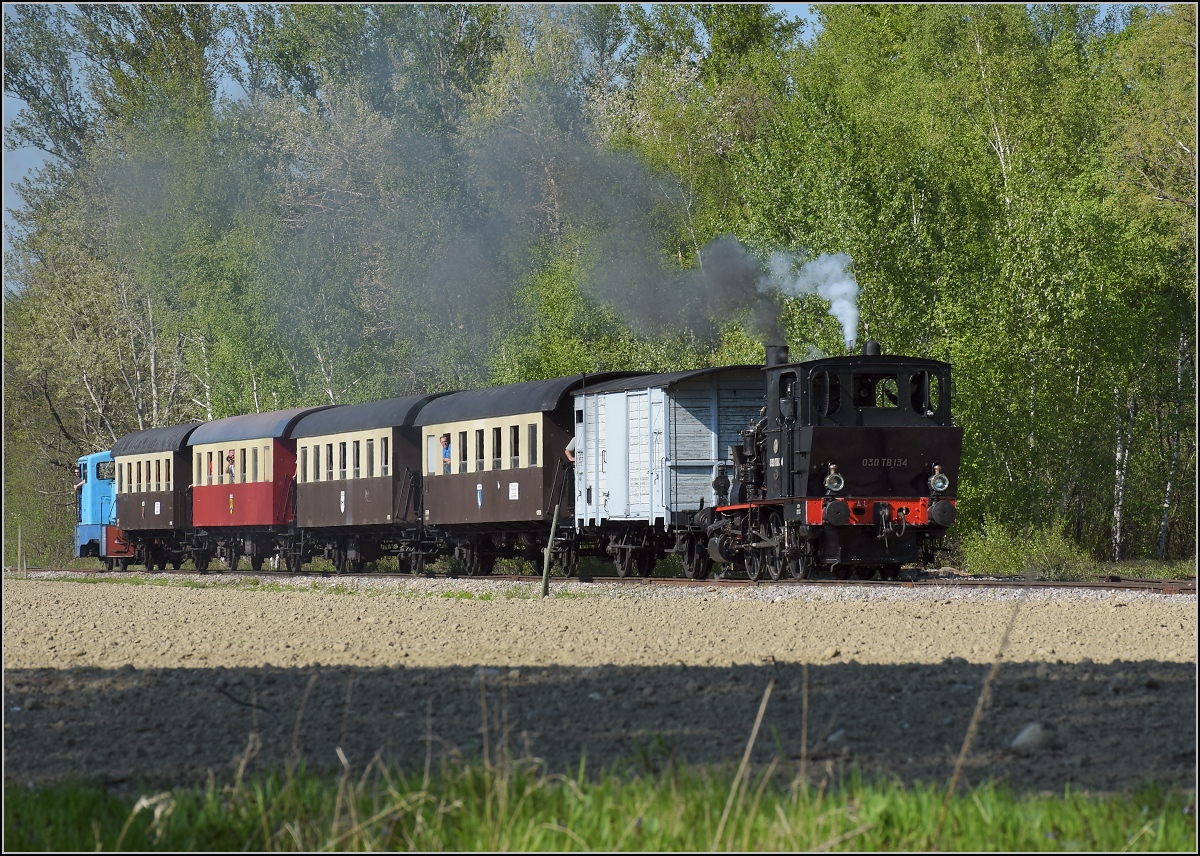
(939, 481)
(834, 481)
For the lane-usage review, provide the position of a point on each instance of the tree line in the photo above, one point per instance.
(251, 207)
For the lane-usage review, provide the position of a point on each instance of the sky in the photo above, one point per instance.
(17, 164)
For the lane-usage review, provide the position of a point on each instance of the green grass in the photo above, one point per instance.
(483, 806)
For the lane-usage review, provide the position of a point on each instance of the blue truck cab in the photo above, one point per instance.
(96, 533)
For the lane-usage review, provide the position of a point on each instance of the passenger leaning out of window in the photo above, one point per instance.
(446, 453)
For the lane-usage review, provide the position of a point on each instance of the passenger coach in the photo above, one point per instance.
(153, 502)
(242, 497)
(495, 488)
(358, 483)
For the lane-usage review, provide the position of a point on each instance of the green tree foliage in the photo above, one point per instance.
(275, 205)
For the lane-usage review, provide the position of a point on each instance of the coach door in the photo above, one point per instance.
(638, 471)
(658, 457)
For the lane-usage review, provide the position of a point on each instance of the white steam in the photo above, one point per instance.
(828, 276)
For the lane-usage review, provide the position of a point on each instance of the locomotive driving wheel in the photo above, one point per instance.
(756, 563)
(800, 566)
(696, 562)
(774, 555)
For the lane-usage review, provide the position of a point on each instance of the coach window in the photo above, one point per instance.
(119, 478)
(478, 449)
(254, 464)
(139, 476)
(514, 446)
(462, 451)
(316, 461)
(243, 462)
(303, 464)
(167, 474)
(158, 475)
(497, 437)
(356, 458)
(267, 474)
(384, 460)
(370, 459)
(433, 454)
(329, 462)
(341, 460)
(533, 446)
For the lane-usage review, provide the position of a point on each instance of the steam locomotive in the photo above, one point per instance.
(846, 464)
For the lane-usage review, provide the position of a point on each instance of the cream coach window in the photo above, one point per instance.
(384, 460)
(371, 459)
(303, 464)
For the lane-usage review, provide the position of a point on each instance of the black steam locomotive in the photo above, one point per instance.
(852, 466)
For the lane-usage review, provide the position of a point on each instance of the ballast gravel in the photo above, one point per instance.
(161, 684)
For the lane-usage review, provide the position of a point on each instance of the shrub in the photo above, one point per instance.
(1044, 553)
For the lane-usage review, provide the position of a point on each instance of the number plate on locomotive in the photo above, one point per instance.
(885, 462)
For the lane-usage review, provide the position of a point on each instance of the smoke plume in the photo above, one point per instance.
(828, 276)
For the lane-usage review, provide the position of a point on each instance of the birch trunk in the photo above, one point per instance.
(1124, 439)
(1169, 494)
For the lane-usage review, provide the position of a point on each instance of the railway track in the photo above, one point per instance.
(1187, 586)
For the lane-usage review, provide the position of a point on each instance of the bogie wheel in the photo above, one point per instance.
(696, 562)
(256, 563)
(201, 560)
(570, 562)
(123, 564)
(889, 572)
(645, 564)
(840, 572)
(623, 561)
(293, 562)
(865, 572)
(176, 563)
(109, 564)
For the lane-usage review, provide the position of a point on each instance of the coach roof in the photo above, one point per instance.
(536, 396)
(665, 381)
(170, 438)
(394, 412)
(252, 426)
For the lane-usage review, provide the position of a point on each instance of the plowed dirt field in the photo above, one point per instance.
(161, 684)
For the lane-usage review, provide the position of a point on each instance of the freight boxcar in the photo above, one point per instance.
(649, 450)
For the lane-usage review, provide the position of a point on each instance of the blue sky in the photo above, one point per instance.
(17, 164)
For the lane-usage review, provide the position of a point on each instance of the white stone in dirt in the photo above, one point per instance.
(1031, 738)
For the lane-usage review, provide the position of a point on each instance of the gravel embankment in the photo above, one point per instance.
(116, 682)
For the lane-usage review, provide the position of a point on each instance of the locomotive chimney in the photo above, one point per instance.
(871, 348)
(777, 355)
